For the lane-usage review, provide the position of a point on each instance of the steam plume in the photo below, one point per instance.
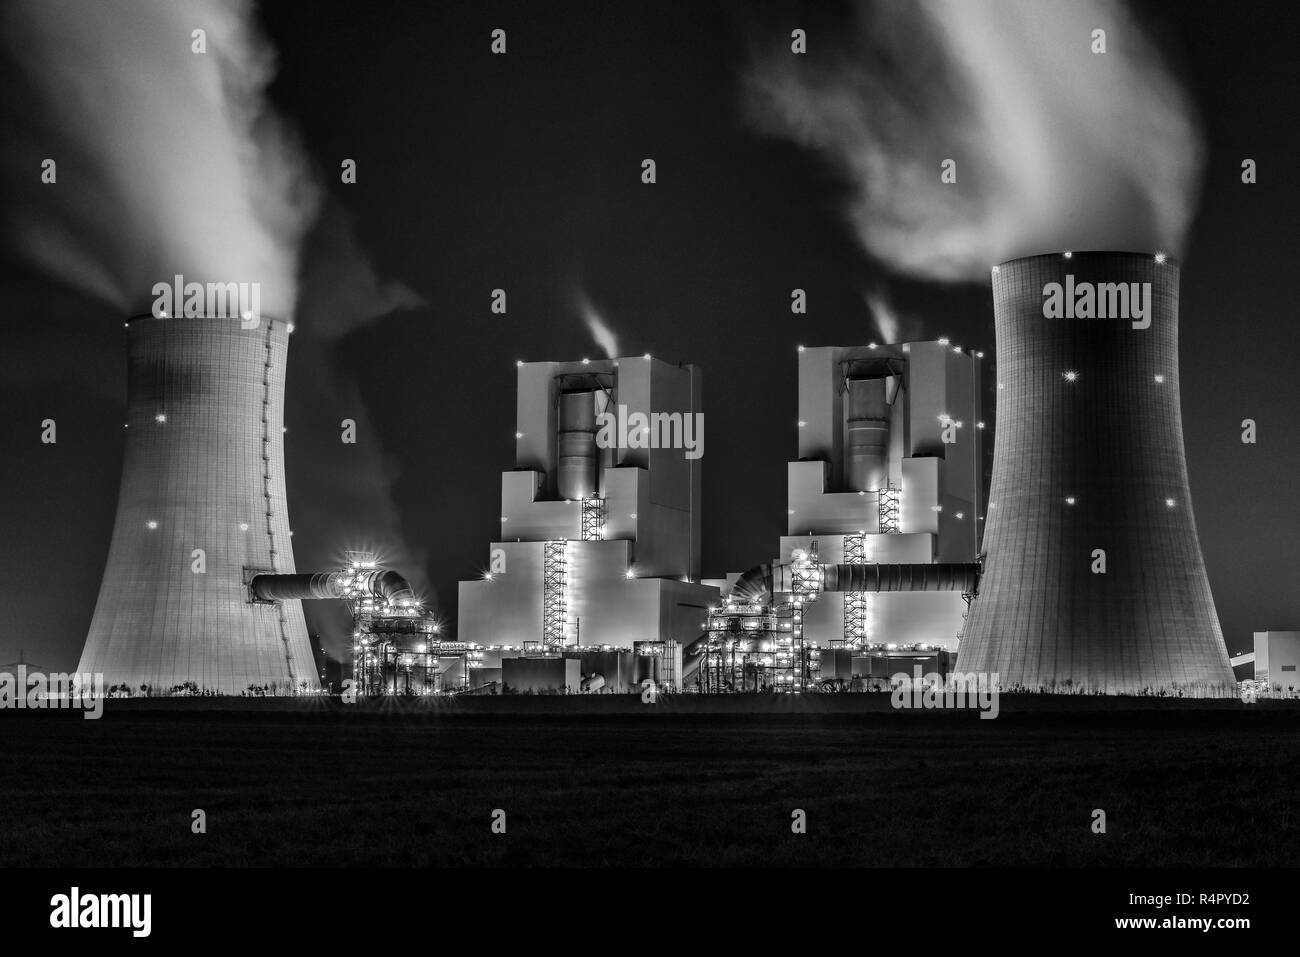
(596, 325)
(169, 161)
(1057, 147)
(886, 319)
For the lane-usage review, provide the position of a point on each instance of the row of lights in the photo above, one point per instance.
(152, 525)
(1160, 259)
(519, 363)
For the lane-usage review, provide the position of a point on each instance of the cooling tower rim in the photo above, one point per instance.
(1156, 257)
(143, 316)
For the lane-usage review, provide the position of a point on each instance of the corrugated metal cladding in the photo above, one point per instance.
(201, 506)
(1089, 465)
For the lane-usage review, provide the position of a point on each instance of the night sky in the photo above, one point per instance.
(523, 172)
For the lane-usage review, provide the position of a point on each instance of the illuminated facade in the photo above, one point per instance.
(890, 470)
(600, 532)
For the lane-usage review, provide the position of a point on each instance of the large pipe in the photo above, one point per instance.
(761, 581)
(387, 585)
(576, 436)
(943, 576)
(866, 433)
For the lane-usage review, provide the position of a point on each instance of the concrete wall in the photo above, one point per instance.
(210, 476)
(523, 675)
(605, 607)
(1277, 658)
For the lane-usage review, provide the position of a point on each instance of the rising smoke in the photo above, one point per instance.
(1056, 147)
(172, 161)
(168, 161)
(884, 315)
(596, 325)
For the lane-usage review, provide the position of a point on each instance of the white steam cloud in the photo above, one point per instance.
(168, 160)
(882, 312)
(1056, 147)
(597, 327)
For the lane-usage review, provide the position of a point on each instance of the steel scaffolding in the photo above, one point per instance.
(593, 519)
(855, 602)
(555, 608)
(888, 499)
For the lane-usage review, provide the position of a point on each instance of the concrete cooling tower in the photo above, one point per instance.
(201, 510)
(1093, 577)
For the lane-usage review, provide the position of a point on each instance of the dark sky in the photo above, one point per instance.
(522, 172)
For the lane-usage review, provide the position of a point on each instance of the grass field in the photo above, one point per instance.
(1180, 787)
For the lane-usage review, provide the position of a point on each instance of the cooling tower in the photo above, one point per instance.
(200, 511)
(1093, 578)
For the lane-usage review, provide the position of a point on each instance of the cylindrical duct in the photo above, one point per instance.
(1093, 578)
(201, 503)
(945, 576)
(576, 436)
(386, 585)
(762, 581)
(866, 436)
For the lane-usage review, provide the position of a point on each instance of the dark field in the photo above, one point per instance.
(1180, 787)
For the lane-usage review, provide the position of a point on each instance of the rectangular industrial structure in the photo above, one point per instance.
(890, 470)
(600, 518)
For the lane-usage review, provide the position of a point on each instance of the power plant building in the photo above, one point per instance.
(1093, 578)
(600, 519)
(201, 510)
(890, 471)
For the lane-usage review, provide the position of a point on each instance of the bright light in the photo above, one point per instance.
(960, 515)
(519, 363)
(800, 348)
(1071, 376)
(936, 508)
(291, 327)
(1068, 254)
(1160, 257)
(631, 515)
(802, 423)
(1160, 380)
(979, 355)
(1070, 500)
(243, 526)
(995, 270)
(871, 345)
(519, 435)
(1169, 503)
(160, 417)
(979, 425)
(586, 361)
(487, 576)
(943, 341)
(646, 356)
